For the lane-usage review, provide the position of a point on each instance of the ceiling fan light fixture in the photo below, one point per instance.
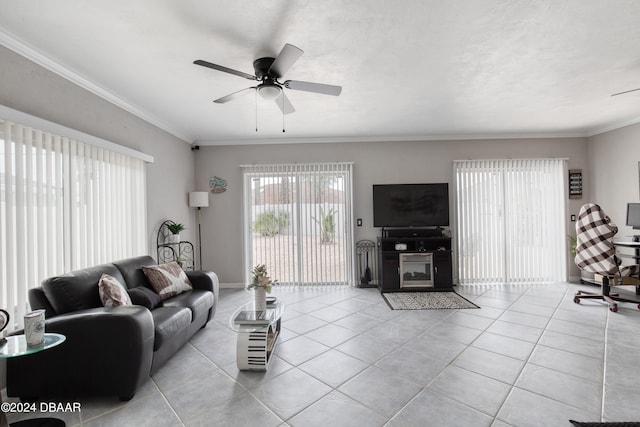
(269, 91)
(267, 72)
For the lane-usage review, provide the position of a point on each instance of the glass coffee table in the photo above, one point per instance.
(257, 343)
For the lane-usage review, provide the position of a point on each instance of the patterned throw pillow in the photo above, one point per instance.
(112, 293)
(167, 279)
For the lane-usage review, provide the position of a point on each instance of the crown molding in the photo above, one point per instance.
(613, 126)
(31, 53)
(387, 138)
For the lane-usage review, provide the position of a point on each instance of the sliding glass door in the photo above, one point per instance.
(298, 222)
(510, 220)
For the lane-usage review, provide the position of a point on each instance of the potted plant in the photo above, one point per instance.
(585, 276)
(175, 229)
(261, 284)
(572, 243)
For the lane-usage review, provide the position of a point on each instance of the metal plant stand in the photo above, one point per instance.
(181, 252)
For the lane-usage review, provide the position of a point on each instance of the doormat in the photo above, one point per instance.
(426, 300)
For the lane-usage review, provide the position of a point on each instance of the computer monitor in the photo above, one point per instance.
(633, 217)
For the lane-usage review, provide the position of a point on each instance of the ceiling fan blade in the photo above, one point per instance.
(284, 104)
(234, 95)
(313, 87)
(224, 69)
(286, 58)
(626, 91)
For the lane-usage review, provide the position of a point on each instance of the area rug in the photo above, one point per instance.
(426, 300)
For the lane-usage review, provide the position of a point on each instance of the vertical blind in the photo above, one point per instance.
(298, 221)
(64, 205)
(510, 220)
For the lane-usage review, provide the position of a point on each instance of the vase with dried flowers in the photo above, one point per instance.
(261, 284)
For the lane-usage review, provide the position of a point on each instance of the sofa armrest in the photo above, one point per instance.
(108, 352)
(38, 300)
(205, 280)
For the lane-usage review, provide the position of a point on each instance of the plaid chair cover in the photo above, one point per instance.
(595, 252)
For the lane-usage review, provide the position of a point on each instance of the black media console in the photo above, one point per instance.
(414, 260)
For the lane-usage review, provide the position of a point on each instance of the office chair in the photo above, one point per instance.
(596, 254)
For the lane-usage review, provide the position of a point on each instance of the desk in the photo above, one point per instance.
(635, 256)
(16, 346)
(627, 244)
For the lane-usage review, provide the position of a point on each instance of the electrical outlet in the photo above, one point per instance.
(359, 222)
(573, 218)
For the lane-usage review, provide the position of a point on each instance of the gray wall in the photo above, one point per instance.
(613, 173)
(375, 163)
(27, 87)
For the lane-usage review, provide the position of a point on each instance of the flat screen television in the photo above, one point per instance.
(411, 205)
(633, 215)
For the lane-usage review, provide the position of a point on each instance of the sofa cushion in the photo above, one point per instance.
(141, 295)
(111, 292)
(77, 290)
(169, 322)
(167, 279)
(199, 302)
(132, 273)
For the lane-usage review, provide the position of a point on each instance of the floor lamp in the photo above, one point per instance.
(199, 200)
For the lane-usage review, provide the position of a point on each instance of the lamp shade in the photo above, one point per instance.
(198, 199)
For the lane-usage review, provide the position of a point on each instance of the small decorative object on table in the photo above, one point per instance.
(263, 317)
(261, 284)
(34, 328)
(4, 322)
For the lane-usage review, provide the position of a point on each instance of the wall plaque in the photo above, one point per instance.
(217, 184)
(575, 183)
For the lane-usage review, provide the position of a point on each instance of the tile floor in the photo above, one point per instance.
(528, 357)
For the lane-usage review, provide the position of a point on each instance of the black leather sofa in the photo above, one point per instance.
(109, 351)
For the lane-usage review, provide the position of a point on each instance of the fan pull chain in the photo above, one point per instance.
(256, 98)
(282, 111)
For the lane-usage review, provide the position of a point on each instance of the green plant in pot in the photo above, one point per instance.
(572, 244)
(260, 278)
(175, 229)
(261, 284)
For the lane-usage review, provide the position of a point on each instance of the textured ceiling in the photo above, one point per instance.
(412, 69)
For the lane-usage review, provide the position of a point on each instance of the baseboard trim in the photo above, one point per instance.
(232, 285)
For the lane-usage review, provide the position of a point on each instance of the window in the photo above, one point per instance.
(511, 220)
(298, 221)
(64, 205)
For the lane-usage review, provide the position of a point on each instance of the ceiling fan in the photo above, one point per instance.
(626, 91)
(268, 71)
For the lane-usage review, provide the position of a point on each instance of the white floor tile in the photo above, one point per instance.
(346, 359)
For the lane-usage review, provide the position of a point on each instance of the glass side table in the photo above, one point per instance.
(256, 343)
(16, 346)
